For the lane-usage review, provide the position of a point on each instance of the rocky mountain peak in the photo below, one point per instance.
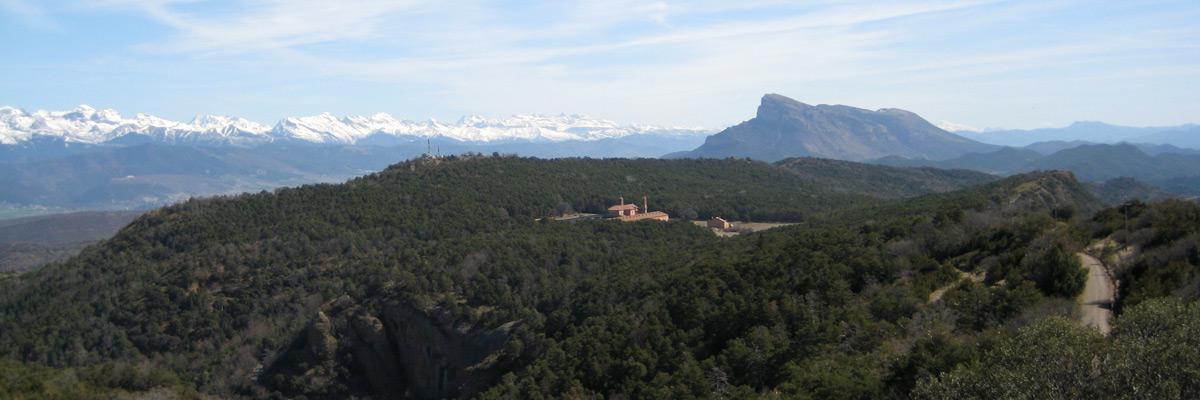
(784, 128)
(775, 106)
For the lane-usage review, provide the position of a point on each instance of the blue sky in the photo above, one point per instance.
(695, 63)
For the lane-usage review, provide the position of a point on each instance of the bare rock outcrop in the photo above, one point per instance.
(392, 350)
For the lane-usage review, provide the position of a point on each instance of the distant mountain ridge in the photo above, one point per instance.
(1173, 169)
(85, 124)
(1187, 135)
(72, 176)
(88, 158)
(783, 128)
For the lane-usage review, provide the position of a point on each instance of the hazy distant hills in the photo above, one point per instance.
(785, 128)
(109, 177)
(89, 158)
(151, 175)
(1177, 171)
(27, 243)
(1054, 146)
(1186, 136)
(1119, 190)
(92, 159)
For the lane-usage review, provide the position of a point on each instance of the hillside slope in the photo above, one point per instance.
(434, 278)
(879, 181)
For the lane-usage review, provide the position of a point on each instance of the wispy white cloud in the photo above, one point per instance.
(279, 24)
(675, 62)
(721, 58)
(742, 41)
(267, 25)
(29, 13)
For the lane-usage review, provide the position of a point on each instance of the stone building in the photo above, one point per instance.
(630, 212)
(719, 224)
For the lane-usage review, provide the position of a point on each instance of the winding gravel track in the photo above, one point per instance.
(1095, 303)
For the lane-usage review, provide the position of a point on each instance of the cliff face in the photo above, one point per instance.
(397, 351)
(442, 358)
(784, 128)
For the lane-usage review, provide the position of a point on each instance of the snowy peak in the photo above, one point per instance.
(321, 128)
(210, 122)
(87, 124)
(325, 128)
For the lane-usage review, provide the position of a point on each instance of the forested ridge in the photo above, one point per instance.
(296, 292)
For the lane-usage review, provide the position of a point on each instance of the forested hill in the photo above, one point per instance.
(852, 177)
(1055, 192)
(435, 278)
(733, 188)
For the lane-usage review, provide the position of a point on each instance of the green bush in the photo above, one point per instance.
(1153, 353)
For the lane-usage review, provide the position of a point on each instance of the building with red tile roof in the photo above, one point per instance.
(630, 212)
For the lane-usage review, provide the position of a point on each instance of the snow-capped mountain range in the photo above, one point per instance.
(85, 124)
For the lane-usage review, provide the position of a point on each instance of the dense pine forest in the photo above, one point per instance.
(443, 277)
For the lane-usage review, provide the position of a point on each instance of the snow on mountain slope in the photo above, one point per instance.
(85, 124)
(325, 128)
(88, 125)
(230, 125)
(322, 128)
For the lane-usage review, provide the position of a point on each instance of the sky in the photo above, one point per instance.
(1009, 64)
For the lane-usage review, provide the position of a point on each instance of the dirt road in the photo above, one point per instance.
(1095, 303)
(962, 276)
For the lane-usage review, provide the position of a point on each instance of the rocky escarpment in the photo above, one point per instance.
(393, 350)
(784, 128)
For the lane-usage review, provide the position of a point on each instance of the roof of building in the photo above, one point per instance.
(638, 217)
(623, 207)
